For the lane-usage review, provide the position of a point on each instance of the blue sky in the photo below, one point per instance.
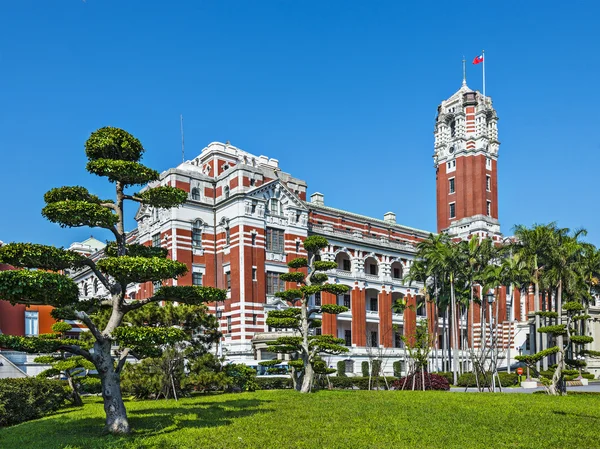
(343, 93)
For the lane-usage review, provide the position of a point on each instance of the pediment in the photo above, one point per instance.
(276, 189)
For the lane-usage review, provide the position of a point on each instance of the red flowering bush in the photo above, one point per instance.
(432, 382)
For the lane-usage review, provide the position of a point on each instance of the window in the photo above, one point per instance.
(253, 239)
(348, 337)
(254, 207)
(228, 279)
(488, 183)
(197, 234)
(453, 129)
(374, 342)
(275, 240)
(373, 269)
(489, 208)
(346, 265)
(274, 284)
(156, 285)
(397, 340)
(318, 331)
(297, 247)
(86, 289)
(31, 323)
(347, 301)
(252, 181)
(196, 194)
(226, 190)
(254, 273)
(254, 319)
(397, 274)
(95, 286)
(196, 279)
(373, 304)
(229, 325)
(451, 185)
(421, 309)
(275, 207)
(156, 240)
(227, 236)
(452, 210)
(318, 299)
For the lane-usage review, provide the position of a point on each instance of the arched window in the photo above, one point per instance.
(196, 194)
(86, 290)
(197, 234)
(226, 190)
(95, 286)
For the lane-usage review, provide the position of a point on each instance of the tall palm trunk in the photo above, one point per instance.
(560, 355)
(454, 332)
(536, 298)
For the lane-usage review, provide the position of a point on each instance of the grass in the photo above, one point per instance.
(327, 419)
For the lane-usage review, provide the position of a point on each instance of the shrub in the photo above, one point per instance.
(448, 375)
(432, 382)
(243, 378)
(29, 398)
(341, 368)
(358, 383)
(375, 367)
(276, 383)
(469, 380)
(365, 369)
(90, 385)
(397, 366)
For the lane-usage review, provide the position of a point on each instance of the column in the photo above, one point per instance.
(359, 317)
(410, 318)
(386, 332)
(329, 326)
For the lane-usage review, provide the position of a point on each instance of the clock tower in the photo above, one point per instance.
(465, 158)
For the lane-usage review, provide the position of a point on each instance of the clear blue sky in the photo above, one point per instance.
(343, 93)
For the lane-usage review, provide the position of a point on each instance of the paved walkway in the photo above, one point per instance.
(591, 387)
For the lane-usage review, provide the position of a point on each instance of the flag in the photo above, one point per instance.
(478, 59)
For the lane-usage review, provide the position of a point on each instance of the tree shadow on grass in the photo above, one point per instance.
(578, 415)
(193, 415)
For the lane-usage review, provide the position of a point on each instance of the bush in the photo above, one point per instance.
(365, 369)
(448, 375)
(375, 367)
(29, 398)
(243, 378)
(358, 383)
(90, 385)
(397, 366)
(469, 380)
(432, 382)
(276, 383)
(341, 368)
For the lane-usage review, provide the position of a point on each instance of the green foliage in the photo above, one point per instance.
(364, 366)
(31, 255)
(319, 278)
(469, 380)
(299, 262)
(581, 317)
(291, 295)
(90, 385)
(61, 327)
(135, 250)
(163, 196)
(145, 341)
(154, 377)
(322, 265)
(270, 362)
(581, 339)
(308, 290)
(127, 172)
(71, 193)
(29, 398)
(547, 314)
(448, 375)
(357, 383)
(315, 243)
(73, 214)
(559, 329)
(294, 276)
(531, 359)
(328, 344)
(243, 378)
(333, 309)
(397, 367)
(375, 367)
(282, 319)
(591, 353)
(188, 294)
(572, 306)
(113, 143)
(36, 345)
(273, 383)
(335, 289)
(341, 368)
(129, 269)
(37, 287)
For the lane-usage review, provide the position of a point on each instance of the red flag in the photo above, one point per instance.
(478, 59)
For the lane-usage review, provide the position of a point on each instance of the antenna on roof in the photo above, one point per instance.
(182, 142)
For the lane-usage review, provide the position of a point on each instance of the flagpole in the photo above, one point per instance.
(483, 55)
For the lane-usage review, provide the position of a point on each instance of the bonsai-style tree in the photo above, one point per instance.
(74, 368)
(305, 347)
(114, 154)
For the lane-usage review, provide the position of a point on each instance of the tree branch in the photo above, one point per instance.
(133, 198)
(109, 206)
(77, 350)
(82, 316)
(136, 304)
(122, 360)
(92, 266)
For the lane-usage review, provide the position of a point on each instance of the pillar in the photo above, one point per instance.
(359, 317)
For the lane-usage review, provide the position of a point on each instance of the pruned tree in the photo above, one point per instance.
(310, 278)
(115, 154)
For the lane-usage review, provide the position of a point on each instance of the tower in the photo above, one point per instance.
(465, 157)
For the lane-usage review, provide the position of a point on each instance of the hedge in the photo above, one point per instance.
(91, 385)
(273, 383)
(337, 382)
(364, 366)
(506, 379)
(448, 375)
(417, 380)
(341, 368)
(29, 398)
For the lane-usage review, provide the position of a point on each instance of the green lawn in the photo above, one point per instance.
(328, 419)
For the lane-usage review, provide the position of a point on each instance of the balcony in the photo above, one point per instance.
(354, 236)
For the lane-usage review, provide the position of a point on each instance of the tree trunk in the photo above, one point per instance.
(454, 334)
(560, 355)
(75, 395)
(116, 415)
(308, 377)
(538, 336)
